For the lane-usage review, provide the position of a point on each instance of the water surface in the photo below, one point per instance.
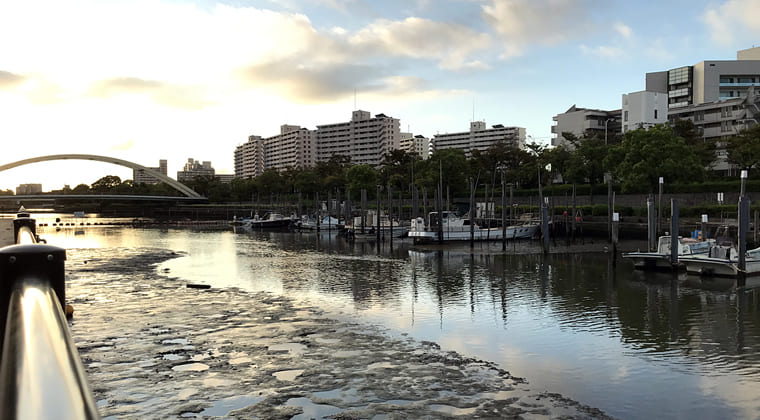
(635, 345)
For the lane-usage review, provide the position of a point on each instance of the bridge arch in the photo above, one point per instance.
(184, 189)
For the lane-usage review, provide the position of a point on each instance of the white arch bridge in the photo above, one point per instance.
(184, 189)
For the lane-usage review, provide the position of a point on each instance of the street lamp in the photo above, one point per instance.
(605, 129)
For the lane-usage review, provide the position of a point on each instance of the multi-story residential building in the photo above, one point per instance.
(586, 122)
(644, 109)
(363, 139)
(708, 81)
(193, 169)
(481, 138)
(419, 145)
(249, 158)
(27, 189)
(140, 177)
(225, 178)
(294, 147)
(719, 120)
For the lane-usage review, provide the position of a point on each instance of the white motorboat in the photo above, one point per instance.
(723, 261)
(327, 223)
(660, 259)
(456, 228)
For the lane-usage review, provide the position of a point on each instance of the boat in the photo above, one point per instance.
(456, 228)
(660, 259)
(355, 230)
(270, 221)
(327, 223)
(723, 261)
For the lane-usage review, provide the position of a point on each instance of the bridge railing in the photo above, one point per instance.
(41, 374)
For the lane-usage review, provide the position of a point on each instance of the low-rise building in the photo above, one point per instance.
(586, 122)
(140, 177)
(719, 120)
(28, 189)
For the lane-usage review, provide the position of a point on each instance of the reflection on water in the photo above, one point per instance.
(631, 343)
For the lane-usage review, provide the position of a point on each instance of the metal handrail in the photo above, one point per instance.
(41, 374)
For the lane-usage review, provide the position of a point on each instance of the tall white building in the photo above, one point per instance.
(644, 109)
(419, 145)
(481, 138)
(363, 139)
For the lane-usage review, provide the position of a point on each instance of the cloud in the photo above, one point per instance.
(733, 18)
(185, 97)
(522, 23)
(10, 80)
(602, 51)
(316, 82)
(623, 29)
(123, 147)
(448, 43)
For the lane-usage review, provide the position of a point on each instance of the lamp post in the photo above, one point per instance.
(605, 129)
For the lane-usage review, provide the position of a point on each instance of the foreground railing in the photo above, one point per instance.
(41, 374)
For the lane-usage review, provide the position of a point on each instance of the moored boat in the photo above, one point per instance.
(660, 259)
(723, 261)
(456, 228)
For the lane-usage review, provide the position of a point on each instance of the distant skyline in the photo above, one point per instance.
(144, 80)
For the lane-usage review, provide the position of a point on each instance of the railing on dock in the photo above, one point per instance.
(41, 374)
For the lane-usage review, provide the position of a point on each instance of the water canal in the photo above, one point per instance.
(635, 345)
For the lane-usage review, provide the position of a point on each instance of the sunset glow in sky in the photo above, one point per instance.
(144, 80)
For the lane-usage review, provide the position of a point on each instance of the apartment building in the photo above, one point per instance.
(419, 145)
(294, 147)
(140, 177)
(480, 137)
(708, 81)
(249, 158)
(719, 120)
(363, 139)
(586, 122)
(193, 169)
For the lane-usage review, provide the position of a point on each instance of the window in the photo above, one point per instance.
(625, 116)
(655, 114)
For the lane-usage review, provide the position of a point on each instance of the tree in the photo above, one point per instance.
(646, 155)
(81, 189)
(105, 184)
(360, 177)
(587, 162)
(689, 132)
(744, 149)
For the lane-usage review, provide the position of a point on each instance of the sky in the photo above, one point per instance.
(143, 80)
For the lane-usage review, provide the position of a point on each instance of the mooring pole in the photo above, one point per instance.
(703, 227)
(377, 217)
(674, 232)
(545, 227)
(503, 214)
(651, 224)
(743, 230)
